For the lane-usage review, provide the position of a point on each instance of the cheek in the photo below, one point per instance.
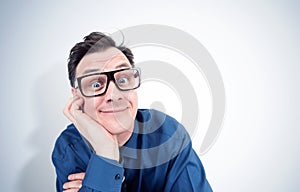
(91, 105)
(133, 99)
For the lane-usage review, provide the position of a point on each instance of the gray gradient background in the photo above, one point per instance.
(255, 44)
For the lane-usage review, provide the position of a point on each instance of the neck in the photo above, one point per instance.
(124, 137)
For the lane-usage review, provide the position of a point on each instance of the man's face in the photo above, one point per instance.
(115, 110)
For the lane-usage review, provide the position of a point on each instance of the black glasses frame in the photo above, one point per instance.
(110, 77)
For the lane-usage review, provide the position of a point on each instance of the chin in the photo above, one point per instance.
(117, 128)
(117, 124)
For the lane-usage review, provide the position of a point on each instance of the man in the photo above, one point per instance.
(112, 145)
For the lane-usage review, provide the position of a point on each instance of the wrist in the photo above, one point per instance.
(109, 152)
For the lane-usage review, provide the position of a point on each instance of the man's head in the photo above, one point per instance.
(94, 42)
(96, 63)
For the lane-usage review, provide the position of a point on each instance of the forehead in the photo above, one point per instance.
(107, 60)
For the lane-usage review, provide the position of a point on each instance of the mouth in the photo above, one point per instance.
(111, 111)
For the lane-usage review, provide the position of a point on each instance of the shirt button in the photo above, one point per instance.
(117, 177)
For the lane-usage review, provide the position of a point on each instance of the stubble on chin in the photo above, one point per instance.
(117, 123)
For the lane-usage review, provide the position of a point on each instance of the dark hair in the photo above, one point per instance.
(94, 42)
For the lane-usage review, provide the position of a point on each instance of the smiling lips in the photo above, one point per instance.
(113, 110)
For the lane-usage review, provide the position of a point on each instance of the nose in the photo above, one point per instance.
(112, 92)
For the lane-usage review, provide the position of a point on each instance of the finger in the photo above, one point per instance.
(69, 109)
(76, 184)
(77, 112)
(77, 105)
(71, 190)
(76, 176)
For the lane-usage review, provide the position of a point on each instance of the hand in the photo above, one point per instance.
(74, 183)
(102, 141)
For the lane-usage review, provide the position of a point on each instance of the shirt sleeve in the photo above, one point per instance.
(103, 174)
(187, 173)
(71, 154)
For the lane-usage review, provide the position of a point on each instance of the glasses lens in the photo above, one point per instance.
(96, 84)
(127, 79)
(93, 84)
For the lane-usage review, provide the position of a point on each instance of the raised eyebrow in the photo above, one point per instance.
(123, 65)
(87, 71)
(90, 71)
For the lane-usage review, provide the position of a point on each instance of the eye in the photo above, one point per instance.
(123, 80)
(96, 85)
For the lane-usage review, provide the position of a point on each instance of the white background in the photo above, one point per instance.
(256, 47)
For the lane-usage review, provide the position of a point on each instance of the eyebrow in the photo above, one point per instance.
(90, 71)
(122, 65)
(97, 70)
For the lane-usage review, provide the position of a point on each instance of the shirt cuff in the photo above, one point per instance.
(103, 174)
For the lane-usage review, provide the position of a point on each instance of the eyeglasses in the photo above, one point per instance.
(96, 84)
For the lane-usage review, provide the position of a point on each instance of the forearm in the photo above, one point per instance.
(103, 175)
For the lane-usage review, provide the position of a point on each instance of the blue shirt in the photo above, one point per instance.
(157, 157)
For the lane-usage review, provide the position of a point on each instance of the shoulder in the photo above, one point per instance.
(68, 138)
(159, 127)
(159, 138)
(154, 116)
(156, 121)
